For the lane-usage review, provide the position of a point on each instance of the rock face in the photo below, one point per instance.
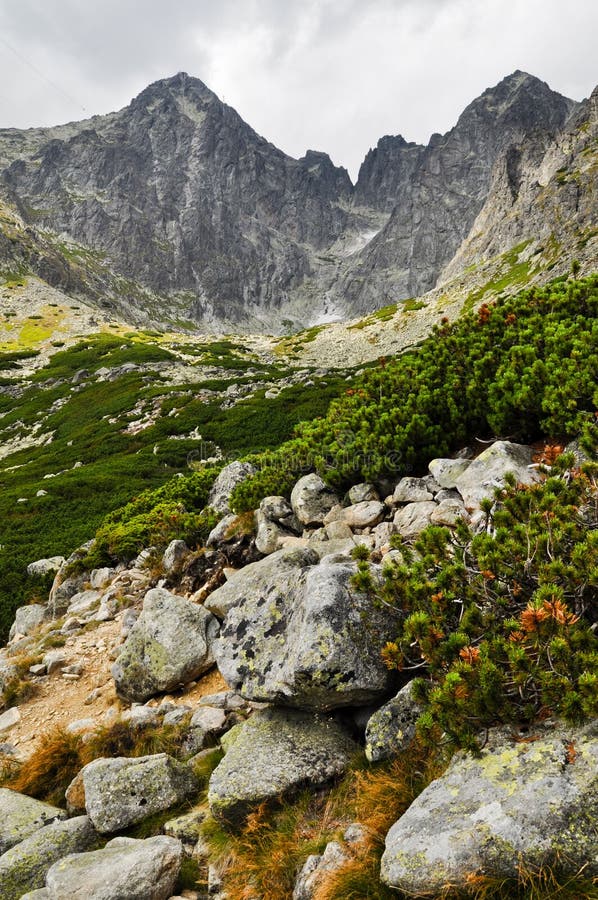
(169, 645)
(24, 867)
(274, 753)
(531, 803)
(178, 197)
(21, 816)
(27, 619)
(313, 642)
(122, 791)
(137, 870)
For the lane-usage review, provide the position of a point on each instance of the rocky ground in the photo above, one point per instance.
(271, 658)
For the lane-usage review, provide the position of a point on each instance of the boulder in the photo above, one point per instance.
(83, 602)
(364, 514)
(411, 490)
(21, 816)
(527, 805)
(24, 867)
(122, 791)
(27, 619)
(488, 471)
(62, 590)
(9, 719)
(269, 535)
(125, 868)
(446, 471)
(448, 512)
(221, 532)
(313, 642)
(311, 499)
(276, 508)
(392, 727)
(170, 644)
(42, 567)
(275, 574)
(315, 867)
(101, 578)
(173, 557)
(228, 479)
(410, 520)
(359, 493)
(276, 752)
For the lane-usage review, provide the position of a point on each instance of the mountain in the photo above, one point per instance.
(175, 210)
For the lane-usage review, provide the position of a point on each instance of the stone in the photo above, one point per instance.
(268, 536)
(382, 534)
(364, 514)
(227, 700)
(173, 557)
(62, 590)
(410, 520)
(210, 719)
(84, 602)
(54, 661)
(277, 572)
(338, 531)
(276, 752)
(221, 532)
(529, 805)
(42, 567)
(488, 471)
(186, 828)
(360, 493)
(27, 619)
(311, 499)
(122, 791)
(276, 508)
(9, 719)
(24, 867)
(448, 512)
(315, 867)
(228, 479)
(311, 642)
(411, 490)
(124, 868)
(41, 894)
(446, 471)
(101, 578)
(38, 670)
(169, 645)
(21, 816)
(392, 727)
(75, 795)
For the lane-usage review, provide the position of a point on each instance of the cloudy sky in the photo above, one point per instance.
(331, 75)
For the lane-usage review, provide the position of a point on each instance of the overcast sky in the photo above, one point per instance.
(331, 75)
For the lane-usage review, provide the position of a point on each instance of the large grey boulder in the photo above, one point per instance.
(173, 557)
(363, 514)
(271, 576)
(122, 791)
(169, 645)
(392, 727)
(488, 470)
(24, 867)
(275, 753)
(126, 869)
(313, 642)
(528, 805)
(411, 490)
(21, 816)
(410, 520)
(42, 567)
(27, 619)
(228, 479)
(312, 499)
(446, 471)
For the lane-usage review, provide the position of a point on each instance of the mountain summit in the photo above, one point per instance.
(180, 210)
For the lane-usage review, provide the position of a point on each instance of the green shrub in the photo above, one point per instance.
(500, 622)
